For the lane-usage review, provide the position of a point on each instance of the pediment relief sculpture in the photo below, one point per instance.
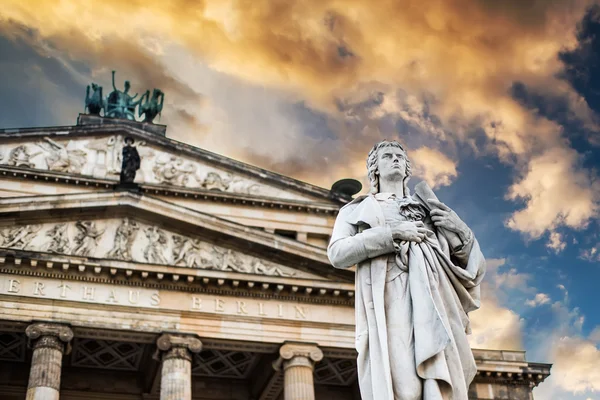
(60, 158)
(86, 239)
(101, 157)
(129, 240)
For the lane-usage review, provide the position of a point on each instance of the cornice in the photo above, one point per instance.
(531, 379)
(171, 191)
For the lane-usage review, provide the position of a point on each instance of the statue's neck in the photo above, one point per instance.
(396, 187)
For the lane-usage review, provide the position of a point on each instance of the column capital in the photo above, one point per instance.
(38, 329)
(311, 351)
(178, 346)
(298, 354)
(47, 334)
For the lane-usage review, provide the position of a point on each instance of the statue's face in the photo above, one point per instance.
(391, 163)
(127, 85)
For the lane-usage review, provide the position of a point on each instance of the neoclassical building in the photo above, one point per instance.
(206, 279)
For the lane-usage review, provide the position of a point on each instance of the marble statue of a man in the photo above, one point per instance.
(414, 286)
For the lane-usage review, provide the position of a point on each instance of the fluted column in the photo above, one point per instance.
(176, 375)
(298, 360)
(48, 342)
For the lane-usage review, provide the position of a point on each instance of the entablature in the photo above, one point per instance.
(174, 278)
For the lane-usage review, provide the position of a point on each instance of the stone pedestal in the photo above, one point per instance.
(298, 360)
(176, 374)
(48, 342)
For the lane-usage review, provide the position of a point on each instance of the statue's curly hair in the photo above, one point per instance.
(372, 165)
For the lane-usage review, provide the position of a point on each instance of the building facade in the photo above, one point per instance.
(206, 279)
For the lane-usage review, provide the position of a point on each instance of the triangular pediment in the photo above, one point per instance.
(133, 228)
(95, 151)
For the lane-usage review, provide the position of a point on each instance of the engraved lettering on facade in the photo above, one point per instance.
(112, 297)
(63, 289)
(261, 310)
(155, 298)
(134, 296)
(280, 310)
(196, 303)
(300, 312)
(14, 285)
(241, 308)
(38, 289)
(88, 293)
(219, 305)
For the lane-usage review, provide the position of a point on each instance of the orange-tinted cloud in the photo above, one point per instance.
(457, 58)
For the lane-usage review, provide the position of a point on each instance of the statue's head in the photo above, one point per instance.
(128, 141)
(95, 86)
(127, 86)
(389, 159)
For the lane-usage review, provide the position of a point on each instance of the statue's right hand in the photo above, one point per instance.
(409, 231)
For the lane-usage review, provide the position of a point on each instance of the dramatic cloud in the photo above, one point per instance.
(433, 166)
(556, 192)
(437, 74)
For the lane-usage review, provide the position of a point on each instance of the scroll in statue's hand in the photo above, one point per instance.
(443, 216)
(409, 231)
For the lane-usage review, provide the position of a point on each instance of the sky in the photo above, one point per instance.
(497, 102)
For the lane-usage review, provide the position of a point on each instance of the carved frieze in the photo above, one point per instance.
(86, 239)
(123, 240)
(130, 240)
(100, 157)
(59, 241)
(18, 237)
(157, 245)
(59, 157)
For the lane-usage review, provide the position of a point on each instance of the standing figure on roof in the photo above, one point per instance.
(417, 277)
(130, 162)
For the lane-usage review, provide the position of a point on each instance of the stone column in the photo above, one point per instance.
(298, 360)
(49, 342)
(176, 374)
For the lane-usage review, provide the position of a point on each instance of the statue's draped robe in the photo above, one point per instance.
(441, 295)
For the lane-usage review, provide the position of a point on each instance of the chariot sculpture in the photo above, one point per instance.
(120, 104)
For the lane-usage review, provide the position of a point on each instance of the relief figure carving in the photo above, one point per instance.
(20, 157)
(19, 237)
(228, 183)
(238, 262)
(174, 171)
(59, 240)
(61, 159)
(195, 254)
(87, 237)
(113, 154)
(157, 243)
(124, 238)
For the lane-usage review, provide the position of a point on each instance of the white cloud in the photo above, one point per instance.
(576, 364)
(556, 242)
(592, 254)
(493, 325)
(556, 193)
(538, 300)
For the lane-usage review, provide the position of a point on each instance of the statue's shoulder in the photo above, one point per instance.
(349, 207)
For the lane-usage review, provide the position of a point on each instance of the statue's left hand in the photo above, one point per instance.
(444, 217)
